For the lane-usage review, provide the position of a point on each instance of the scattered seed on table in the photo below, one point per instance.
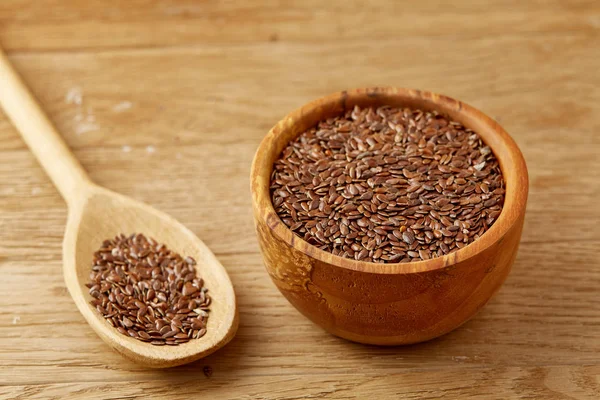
(148, 292)
(388, 185)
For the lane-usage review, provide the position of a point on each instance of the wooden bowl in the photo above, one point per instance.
(389, 304)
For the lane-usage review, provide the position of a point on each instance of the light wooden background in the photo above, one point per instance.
(166, 101)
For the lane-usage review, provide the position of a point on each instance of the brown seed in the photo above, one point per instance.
(344, 229)
(446, 232)
(144, 335)
(189, 289)
(197, 324)
(160, 323)
(181, 336)
(446, 221)
(200, 333)
(142, 312)
(164, 329)
(169, 334)
(408, 237)
(150, 295)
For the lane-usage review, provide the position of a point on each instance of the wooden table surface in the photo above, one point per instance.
(166, 101)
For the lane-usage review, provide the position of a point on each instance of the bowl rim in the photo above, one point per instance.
(510, 158)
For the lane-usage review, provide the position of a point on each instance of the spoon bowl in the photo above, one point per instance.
(97, 214)
(101, 214)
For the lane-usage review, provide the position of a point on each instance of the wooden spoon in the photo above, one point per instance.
(96, 214)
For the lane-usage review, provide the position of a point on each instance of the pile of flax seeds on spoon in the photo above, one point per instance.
(148, 292)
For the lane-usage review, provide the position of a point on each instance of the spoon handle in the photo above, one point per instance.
(39, 133)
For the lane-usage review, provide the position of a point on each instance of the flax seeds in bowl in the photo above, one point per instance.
(388, 216)
(388, 184)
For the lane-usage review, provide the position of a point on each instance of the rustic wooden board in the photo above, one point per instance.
(175, 97)
(67, 25)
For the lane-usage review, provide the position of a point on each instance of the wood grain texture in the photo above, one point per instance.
(172, 116)
(152, 23)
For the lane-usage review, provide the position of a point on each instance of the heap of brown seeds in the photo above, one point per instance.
(147, 291)
(388, 185)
